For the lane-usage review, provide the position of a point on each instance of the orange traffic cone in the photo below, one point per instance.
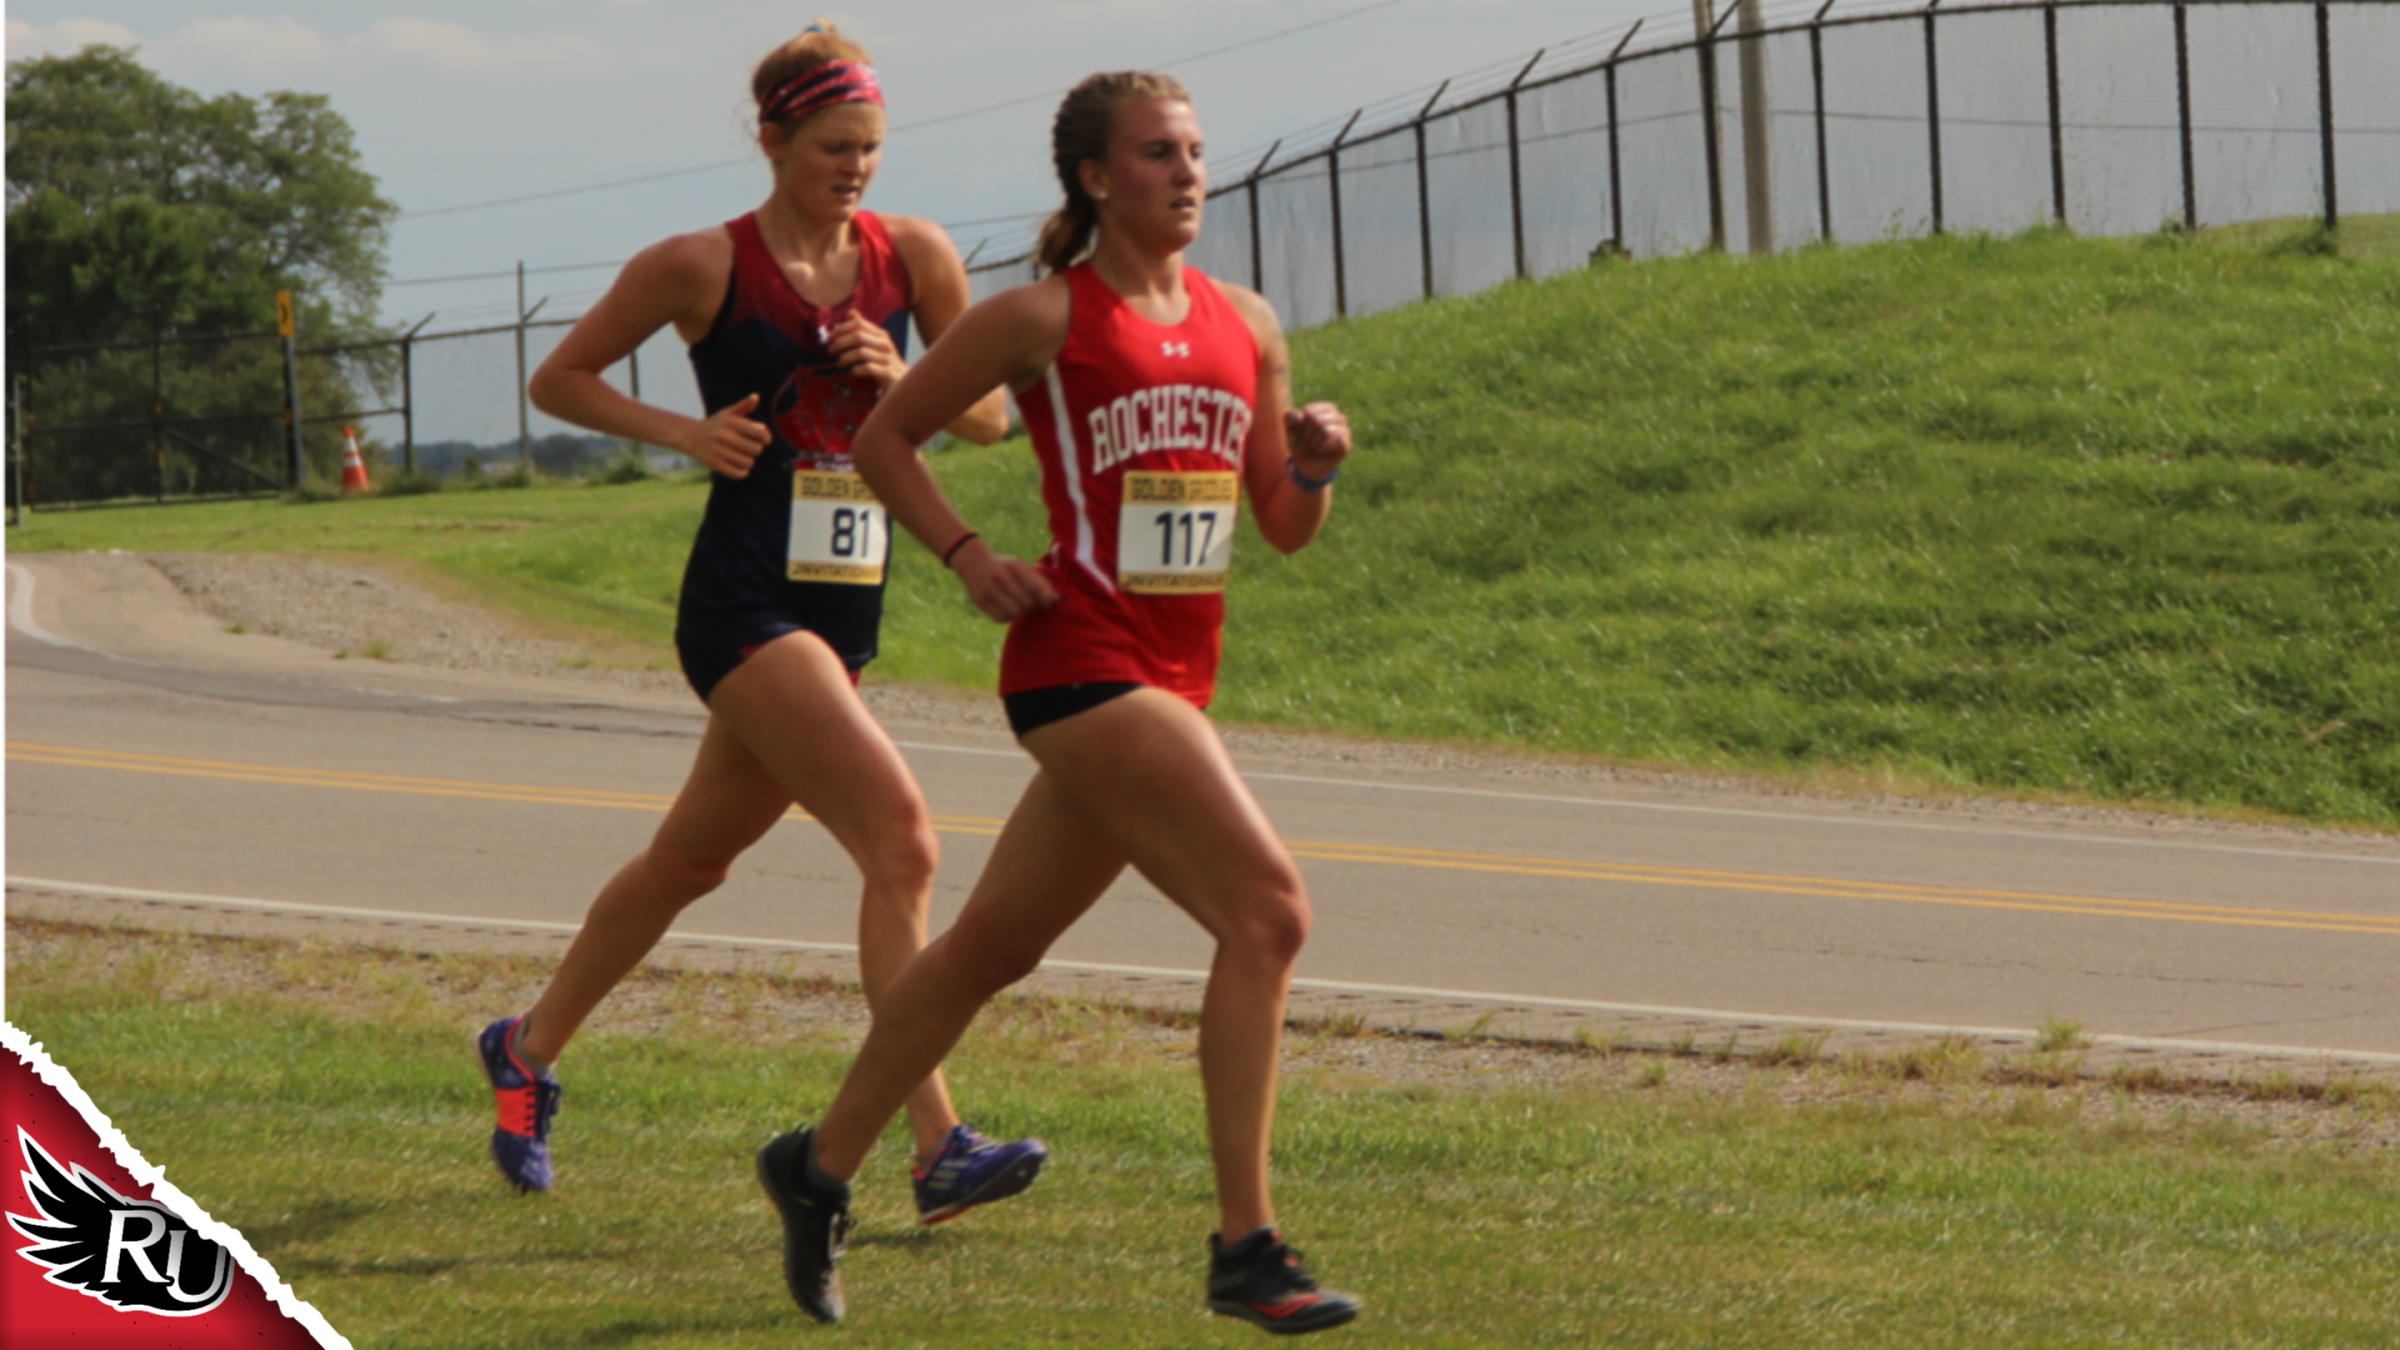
(354, 465)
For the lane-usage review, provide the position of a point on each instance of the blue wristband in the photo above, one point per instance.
(1291, 467)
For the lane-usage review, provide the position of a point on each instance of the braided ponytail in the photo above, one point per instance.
(1086, 122)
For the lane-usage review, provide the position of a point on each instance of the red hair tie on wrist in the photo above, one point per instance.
(820, 87)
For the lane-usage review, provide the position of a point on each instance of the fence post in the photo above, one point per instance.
(1616, 171)
(633, 371)
(1341, 280)
(1258, 255)
(1816, 75)
(1516, 189)
(1424, 213)
(1705, 31)
(17, 505)
(287, 324)
(408, 395)
(2325, 112)
(1616, 176)
(1933, 112)
(524, 411)
(2058, 139)
(408, 403)
(1516, 173)
(1333, 179)
(2183, 115)
(1424, 193)
(158, 413)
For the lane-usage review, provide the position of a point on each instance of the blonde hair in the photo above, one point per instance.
(819, 43)
(1086, 122)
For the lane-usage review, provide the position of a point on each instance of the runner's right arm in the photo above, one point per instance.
(681, 282)
(1007, 340)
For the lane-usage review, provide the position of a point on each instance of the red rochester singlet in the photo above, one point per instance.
(1141, 429)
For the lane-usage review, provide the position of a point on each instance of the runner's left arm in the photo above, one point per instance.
(939, 294)
(1310, 441)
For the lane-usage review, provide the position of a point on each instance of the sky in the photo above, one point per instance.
(460, 104)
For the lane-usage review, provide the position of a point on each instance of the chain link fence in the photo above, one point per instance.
(207, 416)
(2110, 118)
(2113, 118)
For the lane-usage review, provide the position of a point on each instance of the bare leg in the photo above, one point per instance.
(786, 726)
(1152, 771)
(727, 804)
(1048, 867)
(830, 755)
(1142, 778)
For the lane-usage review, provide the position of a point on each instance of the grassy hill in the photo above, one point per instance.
(2117, 519)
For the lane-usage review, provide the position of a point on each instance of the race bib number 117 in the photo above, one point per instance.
(840, 533)
(1175, 532)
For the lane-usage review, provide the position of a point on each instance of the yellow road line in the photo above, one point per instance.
(1369, 854)
(173, 766)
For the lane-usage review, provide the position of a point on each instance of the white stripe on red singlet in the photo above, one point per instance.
(1071, 461)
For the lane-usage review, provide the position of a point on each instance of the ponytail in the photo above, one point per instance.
(1067, 234)
(1086, 122)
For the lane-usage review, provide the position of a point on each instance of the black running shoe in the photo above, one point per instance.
(816, 1225)
(1261, 1280)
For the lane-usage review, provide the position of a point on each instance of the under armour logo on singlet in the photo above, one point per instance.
(1174, 349)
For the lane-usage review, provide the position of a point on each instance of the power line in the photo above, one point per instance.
(574, 191)
(500, 276)
(912, 126)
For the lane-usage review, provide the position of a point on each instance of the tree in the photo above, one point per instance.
(138, 210)
(271, 188)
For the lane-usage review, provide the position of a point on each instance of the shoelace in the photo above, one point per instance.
(1283, 1262)
(1297, 1273)
(527, 1110)
(839, 1243)
(957, 1151)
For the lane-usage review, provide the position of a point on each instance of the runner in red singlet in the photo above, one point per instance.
(798, 317)
(1157, 400)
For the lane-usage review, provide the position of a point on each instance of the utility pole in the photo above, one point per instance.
(1758, 178)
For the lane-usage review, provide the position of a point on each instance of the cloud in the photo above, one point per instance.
(65, 38)
(458, 49)
(253, 44)
(242, 51)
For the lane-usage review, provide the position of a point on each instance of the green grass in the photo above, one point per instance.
(2096, 519)
(1615, 1208)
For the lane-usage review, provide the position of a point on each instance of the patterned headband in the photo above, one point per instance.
(820, 87)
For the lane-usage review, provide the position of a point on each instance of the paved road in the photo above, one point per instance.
(150, 752)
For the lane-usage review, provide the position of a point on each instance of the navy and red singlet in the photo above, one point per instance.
(797, 545)
(1141, 429)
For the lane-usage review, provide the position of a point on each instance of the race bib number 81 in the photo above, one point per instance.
(1175, 532)
(840, 533)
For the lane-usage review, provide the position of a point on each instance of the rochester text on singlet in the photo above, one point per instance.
(1169, 417)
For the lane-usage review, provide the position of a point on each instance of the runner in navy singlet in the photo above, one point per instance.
(798, 317)
(1157, 400)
